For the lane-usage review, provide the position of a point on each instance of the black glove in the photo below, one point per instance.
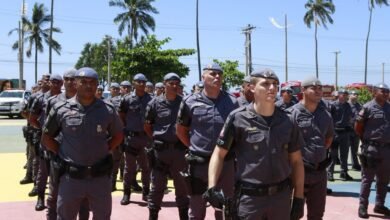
(297, 208)
(214, 197)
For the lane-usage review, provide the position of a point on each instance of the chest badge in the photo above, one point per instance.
(99, 128)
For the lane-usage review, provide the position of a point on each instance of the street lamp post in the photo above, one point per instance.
(336, 66)
(21, 45)
(197, 39)
(383, 72)
(275, 24)
(108, 60)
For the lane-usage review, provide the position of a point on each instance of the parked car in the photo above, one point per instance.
(12, 101)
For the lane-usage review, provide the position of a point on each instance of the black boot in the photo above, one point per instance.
(33, 192)
(344, 176)
(381, 209)
(153, 214)
(145, 193)
(126, 197)
(113, 185)
(135, 186)
(26, 180)
(363, 212)
(183, 213)
(40, 202)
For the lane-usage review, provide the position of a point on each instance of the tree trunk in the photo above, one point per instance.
(366, 54)
(36, 63)
(316, 48)
(51, 36)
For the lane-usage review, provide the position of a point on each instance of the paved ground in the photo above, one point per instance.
(15, 204)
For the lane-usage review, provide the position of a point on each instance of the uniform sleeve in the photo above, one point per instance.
(296, 140)
(52, 126)
(150, 112)
(116, 125)
(184, 114)
(36, 107)
(362, 115)
(123, 105)
(227, 134)
(330, 130)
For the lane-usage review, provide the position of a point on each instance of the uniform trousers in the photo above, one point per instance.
(381, 172)
(226, 183)
(169, 161)
(73, 192)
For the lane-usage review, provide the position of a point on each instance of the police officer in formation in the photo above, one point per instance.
(36, 132)
(86, 162)
(132, 112)
(159, 88)
(149, 88)
(286, 100)
(37, 118)
(354, 138)
(115, 100)
(316, 126)
(70, 91)
(167, 154)
(199, 123)
(246, 95)
(99, 92)
(342, 115)
(28, 135)
(125, 88)
(267, 145)
(373, 127)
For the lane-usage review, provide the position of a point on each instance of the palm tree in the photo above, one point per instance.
(318, 12)
(371, 5)
(36, 33)
(136, 16)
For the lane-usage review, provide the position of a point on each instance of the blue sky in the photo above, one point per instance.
(221, 37)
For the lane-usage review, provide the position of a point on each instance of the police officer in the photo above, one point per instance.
(99, 92)
(159, 88)
(167, 155)
(115, 100)
(373, 127)
(316, 126)
(287, 98)
(37, 118)
(149, 88)
(354, 139)
(267, 144)
(28, 134)
(36, 133)
(342, 115)
(125, 88)
(198, 87)
(70, 91)
(86, 162)
(200, 119)
(246, 95)
(132, 112)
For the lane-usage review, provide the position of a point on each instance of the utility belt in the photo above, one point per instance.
(135, 133)
(342, 130)
(100, 168)
(376, 143)
(317, 166)
(252, 189)
(160, 145)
